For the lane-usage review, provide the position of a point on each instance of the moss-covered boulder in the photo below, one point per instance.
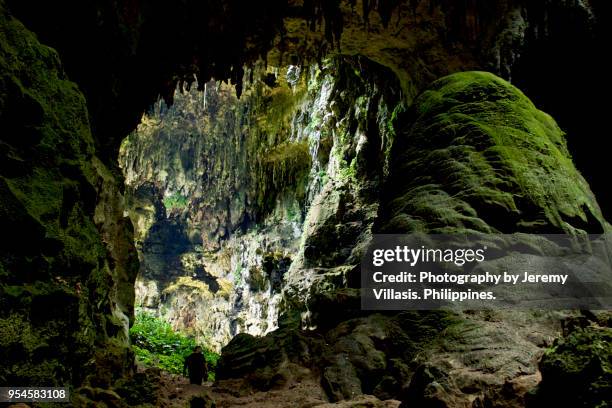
(478, 155)
(577, 370)
(271, 362)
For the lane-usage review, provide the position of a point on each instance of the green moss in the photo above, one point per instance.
(577, 370)
(323, 177)
(285, 155)
(481, 143)
(15, 329)
(293, 212)
(284, 166)
(276, 109)
(348, 172)
(237, 274)
(391, 132)
(257, 279)
(187, 282)
(226, 288)
(59, 282)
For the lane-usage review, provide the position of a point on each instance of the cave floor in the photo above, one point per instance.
(175, 391)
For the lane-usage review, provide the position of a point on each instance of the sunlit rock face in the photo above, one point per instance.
(232, 198)
(212, 250)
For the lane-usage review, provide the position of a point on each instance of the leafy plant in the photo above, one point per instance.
(175, 200)
(323, 177)
(156, 344)
(237, 274)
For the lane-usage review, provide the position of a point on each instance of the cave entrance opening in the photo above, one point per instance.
(244, 208)
(215, 188)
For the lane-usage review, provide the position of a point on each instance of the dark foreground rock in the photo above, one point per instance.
(67, 264)
(577, 369)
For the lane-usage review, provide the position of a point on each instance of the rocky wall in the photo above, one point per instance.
(68, 263)
(501, 166)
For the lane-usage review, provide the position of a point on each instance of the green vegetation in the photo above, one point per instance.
(175, 200)
(237, 274)
(391, 132)
(274, 111)
(577, 369)
(348, 172)
(51, 201)
(156, 344)
(323, 177)
(293, 212)
(479, 150)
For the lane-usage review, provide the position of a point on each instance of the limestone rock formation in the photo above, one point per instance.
(473, 154)
(68, 264)
(479, 156)
(231, 198)
(340, 120)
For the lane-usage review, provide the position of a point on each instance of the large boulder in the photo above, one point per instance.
(478, 155)
(577, 369)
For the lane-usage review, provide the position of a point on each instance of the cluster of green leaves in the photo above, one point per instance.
(175, 200)
(323, 177)
(156, 344)
(348, 172)
(237, 274)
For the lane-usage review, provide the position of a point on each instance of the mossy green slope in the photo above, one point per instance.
(480, 156)
(61, 294)
(475, 154)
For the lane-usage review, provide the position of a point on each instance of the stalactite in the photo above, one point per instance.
(204, 98)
